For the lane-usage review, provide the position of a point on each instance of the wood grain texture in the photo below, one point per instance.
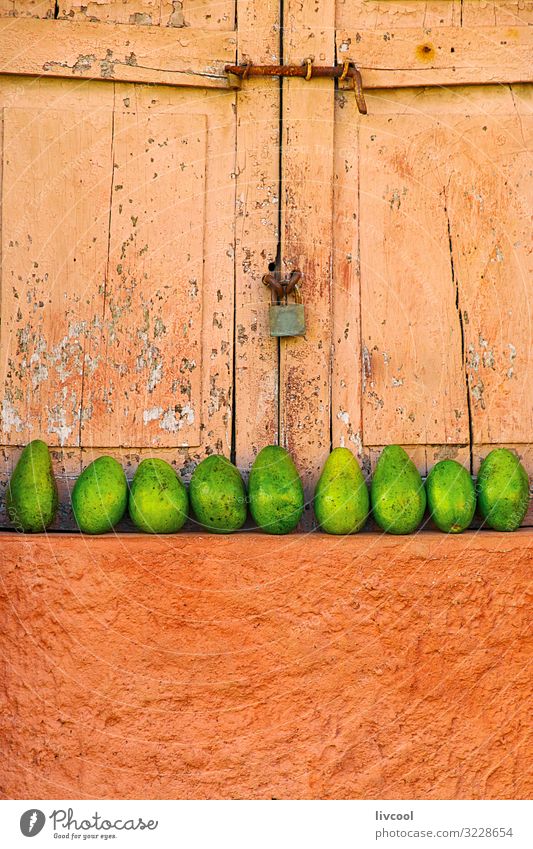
(439, 56)
(219, 251)
(500, 12)
(306, 237)
(79, 50)
(471, 171)
(55, 194)
(381, 14)
(257, 234)
(490, 197)
(413, 381)
(346, 367)
(377, 14)
(142, 380)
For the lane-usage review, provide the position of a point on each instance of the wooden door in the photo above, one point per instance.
(413, 227)
(139, 208)
(143, 199)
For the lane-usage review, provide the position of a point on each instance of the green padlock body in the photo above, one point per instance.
(287, 319)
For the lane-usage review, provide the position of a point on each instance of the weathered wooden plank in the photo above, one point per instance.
(306, 236)
(404, 57)
(207, 14)
(219, 248)
(257, 233)
(39, 93)
(142, 378)
(414, 388)
(27, 8)
(395, 14)
(204, 14)
(79, 50)
(490, 197)
(377, 14)
(219, 258)
(471, 147)
(496, 12)
(55, 194)
(440, 56)
(346, 372)
(138, 12)
(458, 100)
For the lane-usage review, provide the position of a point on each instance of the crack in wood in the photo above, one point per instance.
(455, 282)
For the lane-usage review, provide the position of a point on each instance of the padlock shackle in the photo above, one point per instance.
(282, 287)
(276, 289)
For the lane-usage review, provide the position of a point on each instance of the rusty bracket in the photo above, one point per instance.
(348, 70)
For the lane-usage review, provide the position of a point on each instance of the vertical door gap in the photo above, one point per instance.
(233, 437)
(455, 282)
(278, 262)
(110, 202)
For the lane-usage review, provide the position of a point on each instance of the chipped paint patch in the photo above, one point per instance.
(512, 358)
(152, 414)
(367, 367)
(39, 372)
(11, 419)
(477, 393)
(473, 358)
(173, 420)
(57, 424)
(141, 18)
(176, 18)
(156, 373)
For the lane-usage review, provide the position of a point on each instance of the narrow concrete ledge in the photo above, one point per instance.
(197, 666)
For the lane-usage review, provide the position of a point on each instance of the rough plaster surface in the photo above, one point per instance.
(250, 666)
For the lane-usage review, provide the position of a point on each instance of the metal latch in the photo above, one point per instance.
(286, 319)
(348, 70)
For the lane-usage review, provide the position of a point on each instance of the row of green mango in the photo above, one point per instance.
(158, 502)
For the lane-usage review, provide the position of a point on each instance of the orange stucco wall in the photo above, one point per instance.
(250, 666)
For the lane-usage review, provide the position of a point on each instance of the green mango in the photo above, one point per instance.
(397, 493)
(158, 502)
(503, 490)
(341, 497)
(451, 496)
(32, 499)
(100, 496)
(275, 491)
(218, 495)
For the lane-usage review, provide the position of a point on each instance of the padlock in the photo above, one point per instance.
(285, 319)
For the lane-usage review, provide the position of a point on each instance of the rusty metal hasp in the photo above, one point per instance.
(285, 319)
(346, 71)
